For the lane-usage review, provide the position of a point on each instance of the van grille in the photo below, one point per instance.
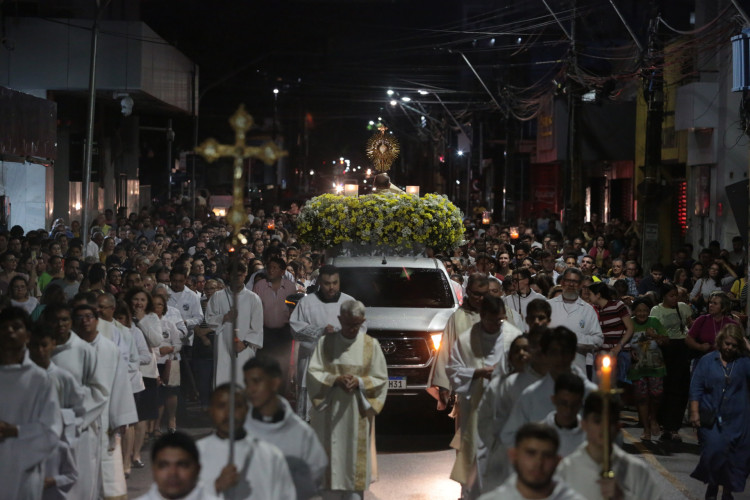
(405, 351)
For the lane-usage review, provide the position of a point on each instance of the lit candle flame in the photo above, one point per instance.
(606, 361)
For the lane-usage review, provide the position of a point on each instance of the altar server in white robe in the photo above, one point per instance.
(315, 315)
(220, 313)
(502, 393)
(60, 471)
(271, 418)
(477, 354)
(461, 320)
(79, 358)
(582, 469)
(119, 409)
(348, 382)
(259, 472)
(535, 403)
(30, 420)
(176, 466)
(534, 458)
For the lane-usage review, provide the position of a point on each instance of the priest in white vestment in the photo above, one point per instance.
(259, 471)
(271, 418)
(30, 419)
(220, 313)
(477, 354)
(119, 409)
(315, 315)
(79, 358)
(464, 318)
(582, 469)
(347, 381)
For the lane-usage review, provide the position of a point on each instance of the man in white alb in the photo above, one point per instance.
(220, 314)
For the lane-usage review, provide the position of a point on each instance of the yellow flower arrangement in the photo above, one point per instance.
(399, 223)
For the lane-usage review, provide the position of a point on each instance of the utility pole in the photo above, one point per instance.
(648, 191)
(573, 177)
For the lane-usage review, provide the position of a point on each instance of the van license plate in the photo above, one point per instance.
(397, 382)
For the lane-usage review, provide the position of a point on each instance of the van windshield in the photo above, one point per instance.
(397, 287)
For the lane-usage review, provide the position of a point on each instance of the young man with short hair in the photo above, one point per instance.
(259, 472)
(271, 417)
(582, 469)
(568, 400)
(175, 465)
(30, 419)
(534, 458)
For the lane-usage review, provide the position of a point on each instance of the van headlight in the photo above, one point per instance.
(436, 338)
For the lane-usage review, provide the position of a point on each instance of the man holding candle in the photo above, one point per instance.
(582, 469)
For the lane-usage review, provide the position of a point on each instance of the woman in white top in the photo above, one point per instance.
(147, 401)
(169, 366)
(19, 294)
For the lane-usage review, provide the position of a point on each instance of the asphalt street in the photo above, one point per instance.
(414, 459)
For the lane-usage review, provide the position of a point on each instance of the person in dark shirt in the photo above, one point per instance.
(653, 281)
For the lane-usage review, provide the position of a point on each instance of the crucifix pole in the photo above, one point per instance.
(212, 150)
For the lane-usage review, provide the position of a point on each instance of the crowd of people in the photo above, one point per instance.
(101, 345)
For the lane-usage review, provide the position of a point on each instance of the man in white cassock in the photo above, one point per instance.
(259, 470)
(535, 403)
(30, 422)
(570, 310)
(477, 354)
(60, 471)
(347, 380)
(79, 358)
(464, 318)
(271, 418)
(315, 315)
(220, 314)
(119, 408)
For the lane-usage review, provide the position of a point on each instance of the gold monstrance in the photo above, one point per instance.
(382, 149)
(268, 152)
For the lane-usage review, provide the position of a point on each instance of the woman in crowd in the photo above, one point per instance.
(647, 369)
(168, 365)
(719, 276)
(719, 406)
(147, 401)
(108, 248)
(114, 281)
(676, 318)
(614, 318)
(702, 335)
(20, 296)
(519, 354)
(599, 252)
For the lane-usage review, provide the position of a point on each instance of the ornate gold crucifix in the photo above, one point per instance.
(268, 152)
